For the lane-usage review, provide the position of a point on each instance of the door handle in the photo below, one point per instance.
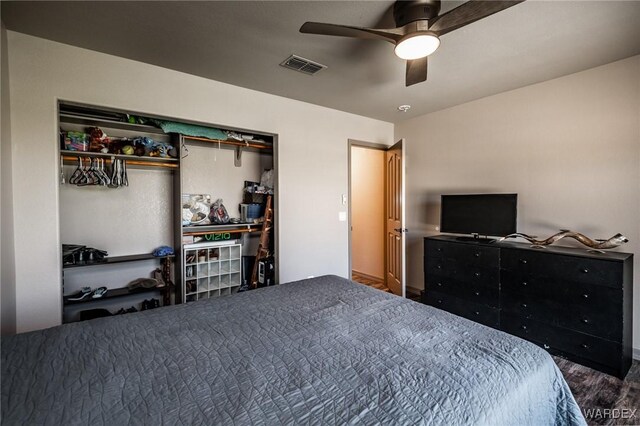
(400, 230)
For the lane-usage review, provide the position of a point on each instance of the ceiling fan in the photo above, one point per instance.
(418, 28)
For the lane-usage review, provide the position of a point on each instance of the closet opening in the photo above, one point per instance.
(156, 211)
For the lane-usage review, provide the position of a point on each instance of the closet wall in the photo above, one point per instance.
(208, 169)
(127, 220)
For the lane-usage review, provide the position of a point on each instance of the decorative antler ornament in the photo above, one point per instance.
(612, 242)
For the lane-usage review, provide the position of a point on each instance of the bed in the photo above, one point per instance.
(317, 351)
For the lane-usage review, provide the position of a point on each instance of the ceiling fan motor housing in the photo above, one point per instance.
(405, 12)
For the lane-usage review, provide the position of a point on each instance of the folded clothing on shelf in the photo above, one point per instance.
(143, 283)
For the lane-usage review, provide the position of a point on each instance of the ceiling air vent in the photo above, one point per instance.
(306, 66)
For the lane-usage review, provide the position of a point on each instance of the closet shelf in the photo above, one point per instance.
(115, 292)
(72, 156)
(102, 122)
(145, 128)
(118, 259)
(248, 144)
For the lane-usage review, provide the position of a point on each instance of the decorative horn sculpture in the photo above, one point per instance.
(612, 242)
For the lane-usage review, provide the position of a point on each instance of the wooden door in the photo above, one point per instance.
(394, 212)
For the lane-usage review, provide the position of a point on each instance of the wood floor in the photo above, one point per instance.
(379, 284)
(370, 281)
(595, 392)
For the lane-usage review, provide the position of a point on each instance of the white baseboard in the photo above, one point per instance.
(636, 354)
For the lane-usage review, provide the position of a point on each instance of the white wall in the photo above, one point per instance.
(7, 279)
(209, 170)
(569, 147)
(128, 220)
(312, 165)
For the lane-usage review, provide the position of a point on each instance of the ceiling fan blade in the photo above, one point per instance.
(467, 13)
(390, 35)
(416, 71)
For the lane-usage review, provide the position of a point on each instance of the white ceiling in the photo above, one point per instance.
(243, 42)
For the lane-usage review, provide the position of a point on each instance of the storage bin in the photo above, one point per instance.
(255, 211)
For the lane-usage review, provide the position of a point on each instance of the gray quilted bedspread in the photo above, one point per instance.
(317, 351)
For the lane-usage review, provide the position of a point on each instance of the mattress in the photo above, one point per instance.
(318, 351)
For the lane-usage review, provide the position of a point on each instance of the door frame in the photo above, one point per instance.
(362, 144)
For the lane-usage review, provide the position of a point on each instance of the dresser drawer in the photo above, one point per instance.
(463, 254)
(590, 296)
(473, 311)
(475, 292)
(561, 267)
(603, 321)
(564, 341)
(482, 275)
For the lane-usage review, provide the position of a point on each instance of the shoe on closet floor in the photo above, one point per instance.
(99, 292)
(80, 295)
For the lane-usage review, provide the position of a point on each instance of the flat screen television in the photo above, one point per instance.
(479, 214)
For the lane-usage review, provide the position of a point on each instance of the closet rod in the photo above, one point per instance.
(132, 162)
(228, 142)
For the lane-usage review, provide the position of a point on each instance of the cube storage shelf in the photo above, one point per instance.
(211, 270)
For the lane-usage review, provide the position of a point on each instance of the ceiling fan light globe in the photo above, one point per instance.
(418, 45)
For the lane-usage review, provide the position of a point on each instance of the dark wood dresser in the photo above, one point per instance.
(572, 302)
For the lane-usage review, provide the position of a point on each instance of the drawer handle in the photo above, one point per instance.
(524, 305)
(438, 249)
(524, 283)
(477, 312)
(440, 302)
(476, 254)
(439, 267)
(546, 346)
(523, 261)
(585, 270)
(477, 293)
(585, 320)
(439, 284)
(477, 274)
(524, 327)
(584, 346)
(586, 295)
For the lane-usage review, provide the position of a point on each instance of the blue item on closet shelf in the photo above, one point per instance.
(255, 211)
(163, 251)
